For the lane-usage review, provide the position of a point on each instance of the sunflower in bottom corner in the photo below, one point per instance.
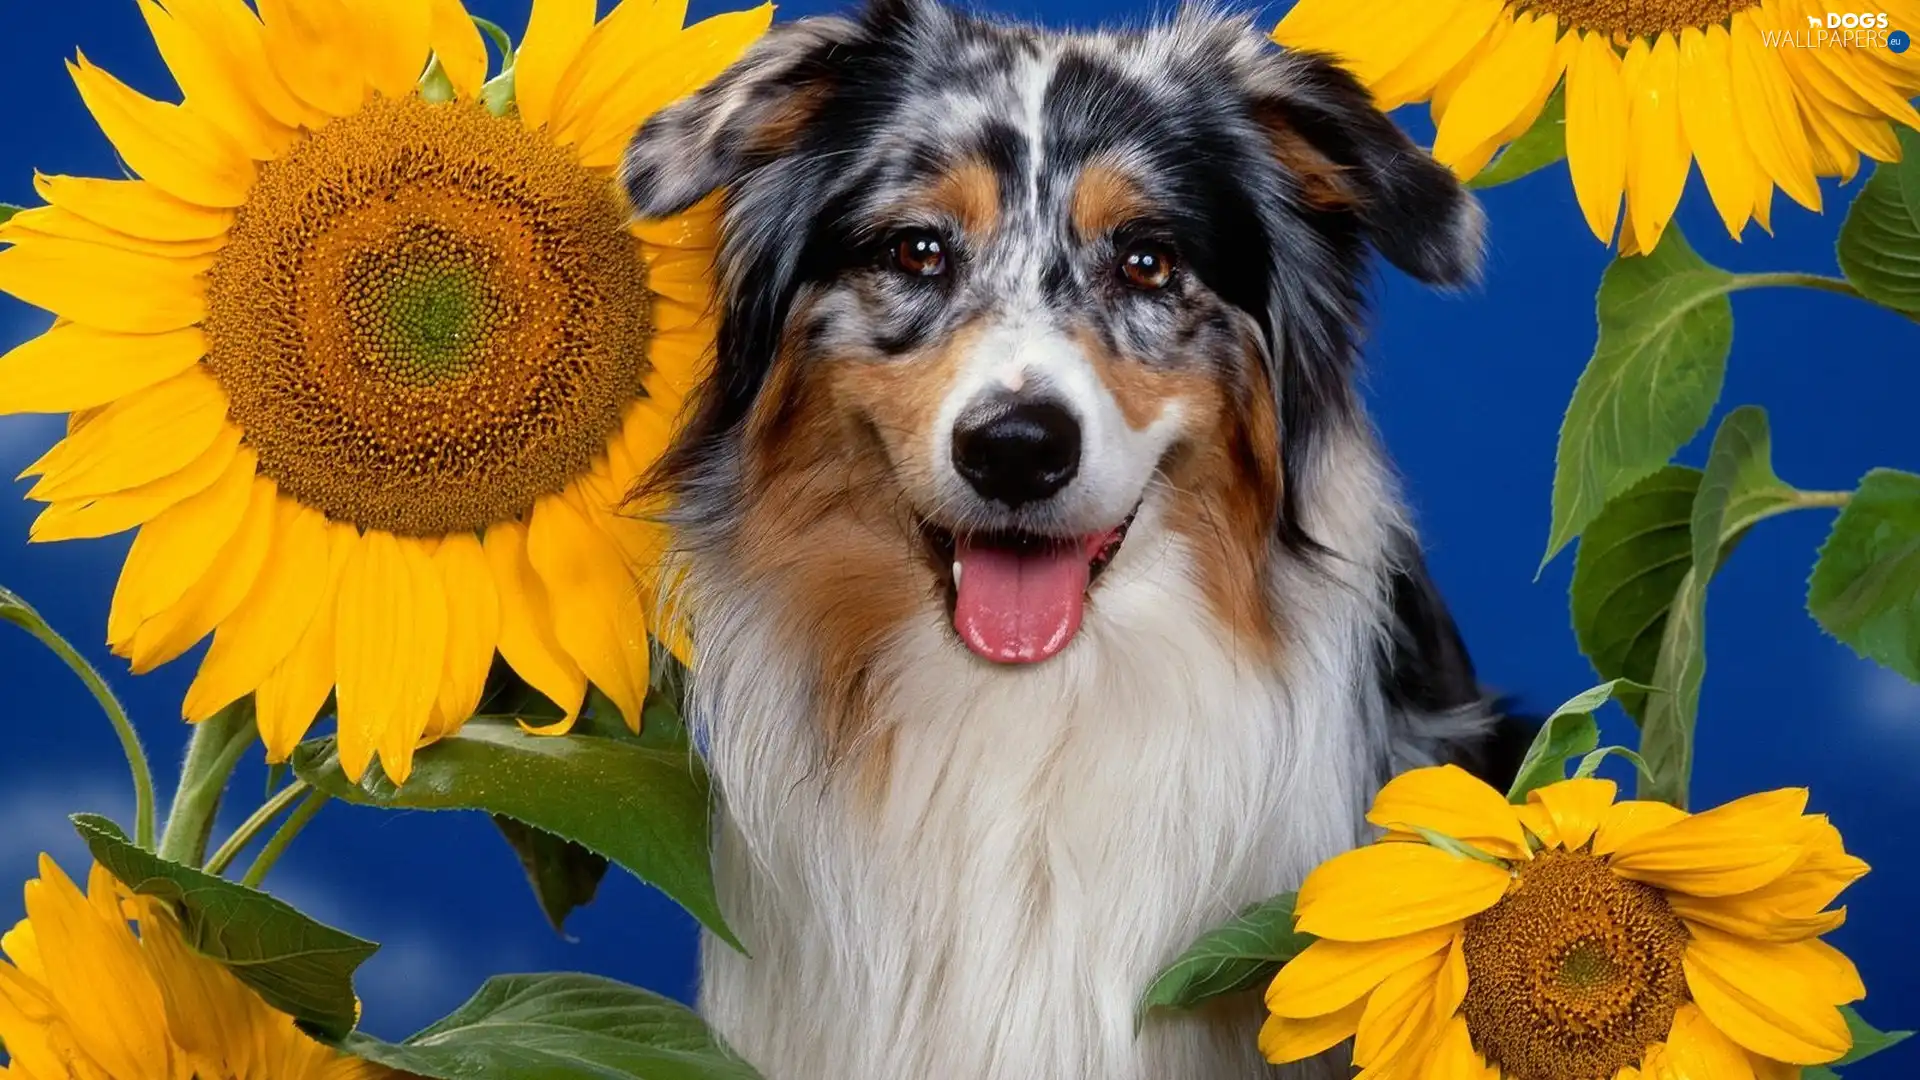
(1572, 938)
(83, 998)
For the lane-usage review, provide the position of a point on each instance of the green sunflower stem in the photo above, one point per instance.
(252, 827)
(212, 753)
(283, 836)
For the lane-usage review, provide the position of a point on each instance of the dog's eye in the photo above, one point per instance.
(1147, 266)
(918, 253)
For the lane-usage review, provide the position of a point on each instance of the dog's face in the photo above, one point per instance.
(992, 295)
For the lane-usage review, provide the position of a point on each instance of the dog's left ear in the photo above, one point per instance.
(1347, 156)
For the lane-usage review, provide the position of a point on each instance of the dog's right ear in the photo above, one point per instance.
(752, 113)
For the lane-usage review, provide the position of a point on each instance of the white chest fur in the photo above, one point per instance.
(1045, 839)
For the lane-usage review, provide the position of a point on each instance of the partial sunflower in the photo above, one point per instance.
(372, 367)
(1651, 86)
(1590, 938)
(83, 998)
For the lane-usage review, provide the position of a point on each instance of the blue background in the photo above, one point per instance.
(1468, 389)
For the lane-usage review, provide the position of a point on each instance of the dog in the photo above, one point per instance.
(1053, 599)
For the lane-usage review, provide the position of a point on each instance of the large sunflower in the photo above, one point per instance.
(370, 359)
(1591, 938)
(83, 998)
(1651, 85)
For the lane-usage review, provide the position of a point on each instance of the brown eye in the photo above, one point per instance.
(919, 254)
(1147, 266)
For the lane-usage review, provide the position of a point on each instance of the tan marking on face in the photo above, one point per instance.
(1142, 391)
(1105, 197)
(834, 448)
(1323, 182)
(780, 132)
(968, 192)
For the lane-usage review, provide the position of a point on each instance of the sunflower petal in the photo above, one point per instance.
(134, 207)
(1658, 158)
(1712, 129)
(173, 148)
(461, 49)
(1398, 1012)
(1283, 1039)
(58, 223)
(1485, 103)
(391, 624)
(310, 45)
(1769, 115)
(140, 438)
(175, 549)
(269, 623)
(93, 516)
(241, 43)
(596, 605)
(291, 696)
(1450, 800)
(105, 287)
(527, 638)
(422, 659)
(1730, 849)
(1756, 921)
(1632, 818)
(1597, 133)
(556, 30)
(1387, 890)
(394, 42)
(214, 597)
(614, 53)
(215, 86)
(77, 367)
(1454, 1058)
(1771, 999)
(1465, 26)
(703, 51)
(1330, 975)
(1697, 1050)
(473, 627)
(1576, 807)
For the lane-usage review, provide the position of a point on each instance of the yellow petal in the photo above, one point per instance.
(1597, 133)
(527, 638)
(1707, 117)
(1775, 1000)
(555, 32)
(1485, 103)
(1823, 869)
(1449, 83)
(1696, 1050)
(216, 87)
(616, 52)
(1450, 985)
(1414, 77)
(214, 597)
(267, 625)
(1448, 799)
(1283, 1039)
(1769, 1069)
(1392, 42)
(140, 438)
(394, 36)
(104, 287)
(310, 45)
(388, 648)
(286, 703)
(1454, 1058)
(1632, 818)
(1575, 807)
(1769, 115)
(1330, 975)
(93, 516)
(1330, 26)
(175, 549)
(703, 51)
(134, 207)
(422, 661)
(1729, 849)
(175, 149)
(1399, 1013)
(473, 626)
(77, 367)
(1387, 890)
(234, 35)
(461, 49)
(1757, 921)
(597, 615)
(45, 222)
(1657, 156)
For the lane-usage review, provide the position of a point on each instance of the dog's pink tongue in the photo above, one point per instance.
(1019, 607)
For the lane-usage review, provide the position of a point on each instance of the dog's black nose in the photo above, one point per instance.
(1018, 453)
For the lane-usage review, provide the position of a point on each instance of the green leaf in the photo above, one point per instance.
(1879, 247)
(1666, 327)
(300, 967)
(563, 874)
(1569, 733)
(1238, 956)
(643, 808)
(1867, 1039)
(1538, 147)
(1737, 489)
(1866, 586)
(1626, 571)
(1590, 764)
(561, 1027)
(1456, 847)
(1818, 1072)
(7, 210)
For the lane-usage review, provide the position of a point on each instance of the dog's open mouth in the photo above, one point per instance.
(1017, 597)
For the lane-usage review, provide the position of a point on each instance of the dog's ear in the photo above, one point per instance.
(1349, 157)
(752, 113)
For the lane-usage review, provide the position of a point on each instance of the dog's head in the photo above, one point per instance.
(990, 294)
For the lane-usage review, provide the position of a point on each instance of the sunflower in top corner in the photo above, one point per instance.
(1572, 938)
(371, 353)
(1748, 88)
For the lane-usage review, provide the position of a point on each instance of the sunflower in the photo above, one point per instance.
(83, 998)
(1574, 936)
(371, 359)
(1651, 86)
